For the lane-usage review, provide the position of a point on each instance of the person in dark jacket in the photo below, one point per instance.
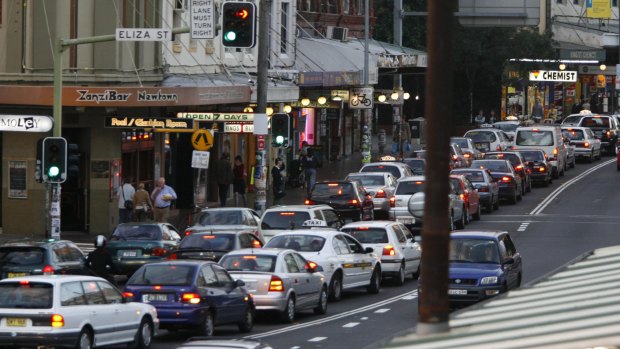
(100, 259)
(277, 181)
(224, 177)
(310, 163)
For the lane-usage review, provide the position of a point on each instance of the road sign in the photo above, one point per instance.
(202, 20)
(26, 123)
(202, 140)
(361, 98)
(143, 34)
(200, 159)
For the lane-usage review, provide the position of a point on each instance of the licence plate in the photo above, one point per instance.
(15, 275)
(130, 253)
(406, 220)
(457, 292)
(15, 322)
(154, 297)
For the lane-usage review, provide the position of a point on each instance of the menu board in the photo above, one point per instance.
(18, 179)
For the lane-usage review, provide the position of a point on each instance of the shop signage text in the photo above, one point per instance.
(143, 34)
(553, 75)
(217, 116)
(598, 55)
(114, 95)
(157, 123)
(26, 123)
(238, 128)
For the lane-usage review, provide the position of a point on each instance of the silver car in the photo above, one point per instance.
(405, 188)
(279, 279)
(225, 219)
(380, 186)
(457, 218)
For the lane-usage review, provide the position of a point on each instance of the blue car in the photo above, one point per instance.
(192, 294)
(483, 264)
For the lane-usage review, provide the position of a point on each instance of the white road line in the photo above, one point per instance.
(364, 318)
(382, 310)
(413, 296)
(563, 187)
(351, 324)
(317, 339)
(523, 226)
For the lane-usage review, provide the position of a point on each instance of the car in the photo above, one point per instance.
(418, 165)
(346, 263)
(400, 253)
(405, 188)
(547, 138)
(380, 186)
(73, 311)
(489, 139)
(466, 191)
(219, 343)
(348, 198)
(213, 245)
(279, 279)
(225, 218)
(287, 217)
(509, 182)
(197, 295)
(587, 146)
(134, 244)
(509, 127)
(457, 157)
(397, 169)
(41, 257)
(605, 128)
(536, 162)
(469, 149)
(483, 264)
(485, 184)
(517, 163)
(457, 208)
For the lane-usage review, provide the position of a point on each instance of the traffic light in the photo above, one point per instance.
(54, 160)
(238, 24)
(73, 160)
(280, 130)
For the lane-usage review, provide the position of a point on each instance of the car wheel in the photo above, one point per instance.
(466, 216)
(247, 323)
(520, 196)
(529, 186)
(208, 327)
(416, 275)
(562, 172)
(513, 199)
(496, 204)
(461, 223)
(144, 336)
(399, 280)
(451, 219)
(375, 282)
(85, 340)
(321, 308)
(572, 163)
(335, 288)
(476, 216)
(519, 280)
(288, 315)
(591, 157)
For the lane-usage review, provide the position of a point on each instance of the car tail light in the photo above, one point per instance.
(128, 296)
(380, 194)
(57, 320)
(392, 201)
(555, 151)
(191, 298)
(499, 148)
(542, 169)
(506, 179)
(308, 202)
(389, 250)
(172, 256)
(158, 251)
(608, 133)
(188, 232)
(276, 284)
(454, 157)
(462, 196)
(354, 202)
(519, 167)
(48, 270)
(256, 244)
(483, 189)
(586, 144)
(467, 155)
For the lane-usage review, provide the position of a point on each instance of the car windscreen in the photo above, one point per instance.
(252, 262)
(367, 235)
(472, 175)
(218, 242)
(481, 136)
(410, 187)
(532, 155)
(382, 168)
(534, 137)
(26, 295)
(506, 127)
(462, 142)
(301, 243)
(368, 180)
(574, 135)
(218, 218)
(572, 119)
(284, 220)
(163, 274)
(21, 256)
(136, 232)
(333, 191)
(593, 121)
(513, 158)
(467, 250)
(492, 165)
(417, 165)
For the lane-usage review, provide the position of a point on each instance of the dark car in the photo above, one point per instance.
(483, 264)
(509, 182)
(214, 245)
(134, 244)
(487, 187)
(349, 198)
(536, 162)
(605, 129)
(518, 164)
(198, 295)
(41, 258)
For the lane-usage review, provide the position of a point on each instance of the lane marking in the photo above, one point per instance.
(383, 310)
(563, 187)
(364, 318)
(523, 226)
(351, 324)
(317, 339)
(413, 296)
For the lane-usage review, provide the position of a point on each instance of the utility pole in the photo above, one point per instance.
(397, 111)
(433, 311)
(366, 145)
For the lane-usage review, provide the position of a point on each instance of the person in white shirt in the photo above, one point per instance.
(125, 195)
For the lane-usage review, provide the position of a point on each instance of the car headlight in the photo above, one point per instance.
(489, 280)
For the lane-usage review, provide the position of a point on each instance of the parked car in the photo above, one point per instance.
(469, 149)
(510, 183)
(400, 253)
(466, 191)
(380, 186)
(397, 169)
(587, 146)
(45, 257)
(289, 217)
(133, 245)
(197, 295)
(213, 245)
(485, 184)
(517, 163)
(72, 311)
(280, 280)
(547, 138)
(489, 139)
(536, 162)
(225, 218)
(418, 165)
(349, 198)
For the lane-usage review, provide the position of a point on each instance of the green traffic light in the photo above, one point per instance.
(53, 171)
(279, 140)
(230, 36)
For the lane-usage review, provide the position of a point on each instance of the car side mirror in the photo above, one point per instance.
(509, 260)
(369, 250)
(239, 283)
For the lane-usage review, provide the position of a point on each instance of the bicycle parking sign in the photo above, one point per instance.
(361, 98)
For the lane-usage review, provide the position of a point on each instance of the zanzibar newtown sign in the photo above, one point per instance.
(26, 123)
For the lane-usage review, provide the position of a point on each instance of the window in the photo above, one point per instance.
(291, 264)
(410, 187)
(303, 243)
(34, 295)
(209, 276)
(284, 220)
(340, 246)
(368, 235)
(71, 293)
(222, 276)
(111, 295)
(162, 274)
(93, 293)
(354, 246)
(510, 247)
(332, 219)
(400, 234)
(284, 16)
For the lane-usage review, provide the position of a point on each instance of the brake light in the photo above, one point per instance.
(542, 169)
(467, 155)
(188, 232)
(58, 321)
(483, 189)
(276, 284)
(380, 194)
(392, 201)
(312, 265)
(332, 184)
(308, 202)
(256, 244)
(519, 167)
(191, 298)
(506, 179)
(555, 151)
(128, 295)
(608, 133)
(354, 202)
(157, 287)
(454, 157)
(173, 256)
(389, 250)
(48, 270)
(287, 213)
(24, 282)
(158, 251)
(586, 144)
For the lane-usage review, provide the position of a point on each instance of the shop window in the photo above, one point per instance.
(284, 16)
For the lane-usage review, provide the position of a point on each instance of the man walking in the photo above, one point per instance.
(162, 197)
(125, 205)
(310, 163)
(224, 177)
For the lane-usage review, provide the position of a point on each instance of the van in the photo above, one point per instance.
(547, 138)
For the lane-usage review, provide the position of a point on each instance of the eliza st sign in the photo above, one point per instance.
(553, 75)
(143, 34)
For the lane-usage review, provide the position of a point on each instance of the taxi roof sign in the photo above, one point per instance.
(315, 223)
(387, 158)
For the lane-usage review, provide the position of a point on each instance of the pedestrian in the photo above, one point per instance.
(576, 107)
(240, 176)
(99, 261)
(594, 106)
(277, 181)
(310, 164)
(537, 111)
(492, 117)
(125, 205)
(162, 197)
(480, 119)
(585, 105)
(143, 205)
(224, 177)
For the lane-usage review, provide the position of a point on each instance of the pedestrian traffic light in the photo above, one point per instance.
(238, 24)
(280, 130)
(54, 160)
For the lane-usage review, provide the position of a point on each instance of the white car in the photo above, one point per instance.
(380, 185)
(489, 139)
(398, 202)
(289, 217)
(346, 263)
(586, 144)
(400, 254)
(71, 311)
(397, 169)
(508, 126)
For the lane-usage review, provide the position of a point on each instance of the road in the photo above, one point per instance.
(550, 226)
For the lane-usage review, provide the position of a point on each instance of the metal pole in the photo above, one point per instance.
(367, 122)
(434, 311)
(57, 108)
(261, 173)
(398, 83)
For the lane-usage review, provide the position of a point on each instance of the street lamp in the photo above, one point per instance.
(305, 102)
(381, 98)
(322, 100)
(394, 95)
(406, 95)
(287, 108)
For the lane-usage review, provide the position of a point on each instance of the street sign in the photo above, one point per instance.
(202, 20)
(260, 143)
(26, 123)
(240, 117)
(238, 128)
(143, 34)
(361, 98)
(200, 159)
(202, 140)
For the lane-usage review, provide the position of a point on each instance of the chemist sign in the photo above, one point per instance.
(202, 22)
(553, 75)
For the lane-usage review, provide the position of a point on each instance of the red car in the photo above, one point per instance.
(469, 195)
